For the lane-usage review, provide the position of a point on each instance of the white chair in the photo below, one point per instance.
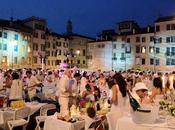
(112, 118)
(43, 114)
(19, 118)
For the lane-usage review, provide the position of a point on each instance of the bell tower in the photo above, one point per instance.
(69, 27)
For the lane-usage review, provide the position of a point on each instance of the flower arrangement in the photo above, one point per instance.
(17, 104)
(168, 106)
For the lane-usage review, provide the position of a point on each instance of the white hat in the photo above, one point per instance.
(139, 86)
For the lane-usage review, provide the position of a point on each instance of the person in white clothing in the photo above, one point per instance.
(74, 83)
(64, 92)
(32, 84)
(16, 88)
(92, 121)
(140, 92)
(83, 82)
(49, 86)
(102, 85)
(118, 95)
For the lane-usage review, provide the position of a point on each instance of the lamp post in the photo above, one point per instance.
(28, 50)
(42, 57)
(154, 49)
(3, 63)
(78, 52)
(125, 55)
(67, 54)
(12, 49)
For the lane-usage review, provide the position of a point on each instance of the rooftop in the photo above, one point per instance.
(163, 19)
(34, 18)
(15, 25)
(82, 36)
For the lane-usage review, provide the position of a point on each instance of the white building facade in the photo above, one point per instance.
(14, 46)
(150, 48)
(110, 55)
(38, 40)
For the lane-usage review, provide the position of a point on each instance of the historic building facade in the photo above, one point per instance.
(15, 43)
(38, 54)
(149, 48)
(56, 50)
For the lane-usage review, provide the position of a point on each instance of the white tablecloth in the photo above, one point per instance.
(52, 123)
(8, 114)
(126, 123)
(34, 106)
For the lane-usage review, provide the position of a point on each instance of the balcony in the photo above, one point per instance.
(89, 57)
(170, 54)
(114, 58)
(122, 58)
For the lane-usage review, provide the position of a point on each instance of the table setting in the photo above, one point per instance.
(75, 120)
(160, 117)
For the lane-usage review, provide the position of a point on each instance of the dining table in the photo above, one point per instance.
(8, 112)
(53, 123)
(126, 123)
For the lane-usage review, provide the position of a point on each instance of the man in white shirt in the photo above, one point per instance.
(64, 92)
(140, 92)
(75, 86)
(32, 84)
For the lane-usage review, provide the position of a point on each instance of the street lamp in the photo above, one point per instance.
(28, 49)
(154, 49)
(12, 43)
(3, 63)
(77, 53)
(43, 57)
(29, 58)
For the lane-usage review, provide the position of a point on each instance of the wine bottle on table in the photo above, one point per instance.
(98, 107)
(133, 102)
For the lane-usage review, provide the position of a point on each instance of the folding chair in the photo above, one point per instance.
(43, 114)
(19, 118)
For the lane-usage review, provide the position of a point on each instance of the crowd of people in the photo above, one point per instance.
(77, 87)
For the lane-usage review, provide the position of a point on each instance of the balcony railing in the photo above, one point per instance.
(114, 58)
(122, 58)
(89, 57)
(170, 54)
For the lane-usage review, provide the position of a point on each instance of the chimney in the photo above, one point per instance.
(106, 37)
(148, 29)
(96, 38)
(133, 31)
(11, 21)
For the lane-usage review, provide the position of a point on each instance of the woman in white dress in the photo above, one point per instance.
(118, 93)
(83, 82)
(16, 88)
